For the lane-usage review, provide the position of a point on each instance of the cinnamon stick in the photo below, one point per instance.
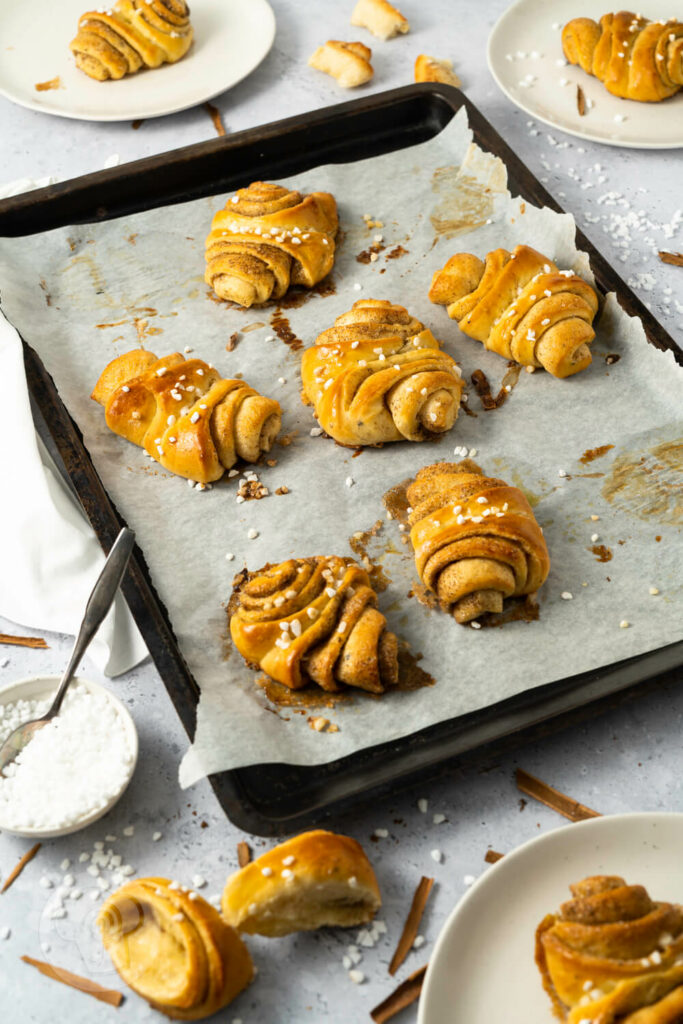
(580, 101)
(406, 994)
(243, 854)
(22, 641)
(674, 258)
(19, 867)
(492, 856)
(412, 924)
(553, 798)
(91, 988)
(215, 115)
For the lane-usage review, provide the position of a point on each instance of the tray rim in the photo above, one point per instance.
(65, 440)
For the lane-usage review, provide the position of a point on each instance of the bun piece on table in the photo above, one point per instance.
(476, 539)
(633, 57)
(380, 17)
(430, 69)
(313, 620)
(315, 880)
(379, 375)
(611, 954)
(185, 415)
(173, 948)
(349, 63)
(130, 35)
(521, 306)
(267, 238)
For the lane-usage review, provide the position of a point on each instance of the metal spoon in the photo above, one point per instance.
(99, 603)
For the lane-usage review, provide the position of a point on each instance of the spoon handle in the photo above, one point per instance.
(99, 603)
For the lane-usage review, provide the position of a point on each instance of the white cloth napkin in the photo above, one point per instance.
(49, 555)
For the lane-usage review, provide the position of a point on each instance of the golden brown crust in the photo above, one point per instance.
(173, 948)
(476, 539)
(521, 306)
(188, 418)
(378, 375)
(431, 69)
(130, 35)
(314, 880)
(268, 237)
(349, 63)
(612, 954)
(635, 59)
(313, 619)
(379, 17)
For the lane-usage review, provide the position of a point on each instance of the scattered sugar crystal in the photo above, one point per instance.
(422, 804)
(436, 855)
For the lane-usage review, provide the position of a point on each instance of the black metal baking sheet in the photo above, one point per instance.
(274, 798)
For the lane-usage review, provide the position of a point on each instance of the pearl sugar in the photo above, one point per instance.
(72, 767)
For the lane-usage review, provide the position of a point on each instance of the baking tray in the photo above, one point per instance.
(271, 799)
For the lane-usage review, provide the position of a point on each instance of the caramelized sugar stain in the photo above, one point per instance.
(358, 542)
(52, 83)
(419, 591)
(483, 388)
(366, 255)
(517, 609)
(649, 484)
(602, 553)
(595, 453)
(305, 699)
(397, 252)
(410, 675)
(48, 297)
(396, 501)
(463, 204)
(297, 296)
(280, 325)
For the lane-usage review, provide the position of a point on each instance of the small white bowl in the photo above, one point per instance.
(41, 687)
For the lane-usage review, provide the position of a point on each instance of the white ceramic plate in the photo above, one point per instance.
(528, 27)
(231, 38)
(484, 957)
(40, 687)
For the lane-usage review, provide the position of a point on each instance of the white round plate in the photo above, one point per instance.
(41, 687)
(231, 38)
(484, 957)
(535, 27)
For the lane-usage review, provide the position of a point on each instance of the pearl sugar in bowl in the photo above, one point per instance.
(75, 768)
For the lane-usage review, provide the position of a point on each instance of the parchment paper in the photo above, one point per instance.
(143, 276)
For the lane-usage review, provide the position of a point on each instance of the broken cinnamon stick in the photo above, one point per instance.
(580, 101)
(19, 867)
(406, 994)
(243, 854)
(410, 928)
(91, 988)
(215, 115)
(22, 641)
(492, 856)
(553, 798)
(674, 258)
